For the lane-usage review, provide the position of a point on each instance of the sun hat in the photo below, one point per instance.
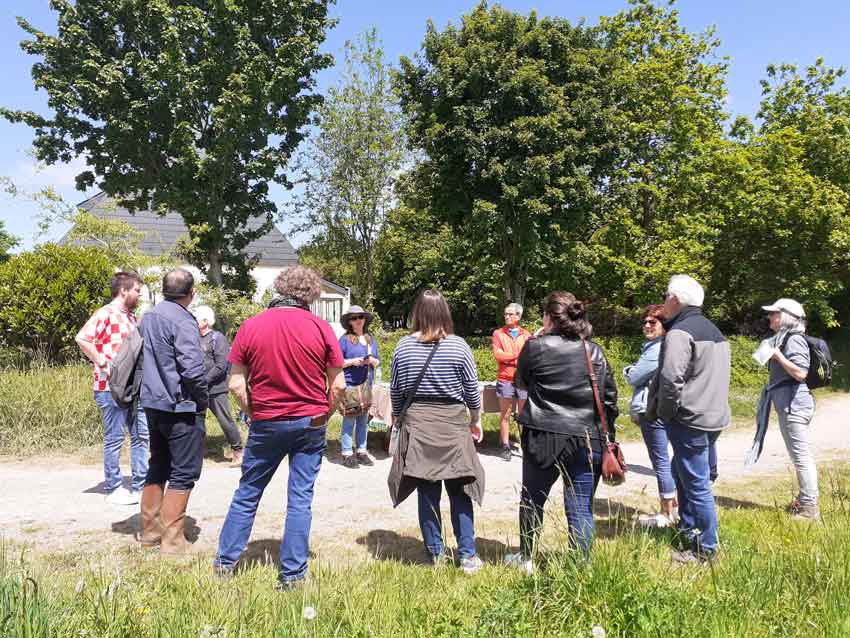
(345, 320)
(790, 306)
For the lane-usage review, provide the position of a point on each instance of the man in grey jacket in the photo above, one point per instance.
(175, 397)
(690, 393)
(216, 349)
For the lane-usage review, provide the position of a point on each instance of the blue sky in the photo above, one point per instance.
(753, 33)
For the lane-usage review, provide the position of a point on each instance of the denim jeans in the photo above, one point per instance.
(115, 422)
(795, 432)
(177, 448)
(463, 519)
(268, 443)
(691, 471)
(580, 482)
(359, 427)
(655, 437)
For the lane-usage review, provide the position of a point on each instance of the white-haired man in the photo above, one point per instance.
(216, 350)
(690, 393)
(508, 342)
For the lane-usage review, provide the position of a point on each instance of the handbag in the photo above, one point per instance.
(613, 463)
(357, 399)
(392, 450)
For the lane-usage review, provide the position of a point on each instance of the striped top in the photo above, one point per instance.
(451, 374)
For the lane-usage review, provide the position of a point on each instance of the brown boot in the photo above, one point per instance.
(173, 515)
(151, 523)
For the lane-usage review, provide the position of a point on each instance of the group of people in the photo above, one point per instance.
(288, 372)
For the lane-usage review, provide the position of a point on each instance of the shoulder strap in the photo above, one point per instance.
(409, 397)
(602, 418)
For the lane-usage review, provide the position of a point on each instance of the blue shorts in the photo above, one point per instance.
(508, 390)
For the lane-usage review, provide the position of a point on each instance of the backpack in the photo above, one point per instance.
(820, 362)
(125, 376)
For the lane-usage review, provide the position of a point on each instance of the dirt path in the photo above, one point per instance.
(57, 505)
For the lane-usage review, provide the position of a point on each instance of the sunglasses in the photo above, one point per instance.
(650, 322)
(358, 318)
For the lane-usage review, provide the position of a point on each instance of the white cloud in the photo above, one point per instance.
(29, 174)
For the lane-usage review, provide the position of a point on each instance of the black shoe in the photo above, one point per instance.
(690, 556)
(364, 459)
(224, 572)
(506, 453)
(350, 461)
(289, 585)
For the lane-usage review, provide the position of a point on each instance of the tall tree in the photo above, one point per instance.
(188, 105)
(7, 242)
(350, 167)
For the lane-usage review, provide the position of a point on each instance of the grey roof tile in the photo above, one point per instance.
(162, 232)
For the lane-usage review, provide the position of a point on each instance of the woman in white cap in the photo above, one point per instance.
(793, 400)
(360, 350)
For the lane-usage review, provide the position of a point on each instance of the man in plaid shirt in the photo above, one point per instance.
(100, 339)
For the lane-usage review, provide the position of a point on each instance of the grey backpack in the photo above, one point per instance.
(125, 376)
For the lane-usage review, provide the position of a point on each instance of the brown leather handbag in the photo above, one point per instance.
(613, 463)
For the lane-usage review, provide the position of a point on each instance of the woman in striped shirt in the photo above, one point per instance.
(438, 429)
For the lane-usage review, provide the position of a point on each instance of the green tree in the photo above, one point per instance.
(185, 105)
(7, 242)
(513, 117)
(351, 165)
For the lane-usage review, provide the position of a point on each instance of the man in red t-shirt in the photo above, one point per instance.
(286, 378)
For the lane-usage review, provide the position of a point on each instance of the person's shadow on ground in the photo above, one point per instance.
(388, 545)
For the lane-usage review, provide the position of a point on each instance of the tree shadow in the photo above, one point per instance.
(214, 448)
(388, 545)
(641, 469)
(612, 518)
(132, 526)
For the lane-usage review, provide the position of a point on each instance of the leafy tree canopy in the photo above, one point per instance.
(185, 105)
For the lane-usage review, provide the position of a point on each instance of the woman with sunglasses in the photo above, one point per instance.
(360, 351)
(639, 376)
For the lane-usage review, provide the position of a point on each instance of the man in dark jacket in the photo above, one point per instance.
(174, 396)
(690, 393)
(216, 350)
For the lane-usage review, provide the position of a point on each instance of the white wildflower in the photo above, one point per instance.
(81, 585)
(597, 632)
(309, 612)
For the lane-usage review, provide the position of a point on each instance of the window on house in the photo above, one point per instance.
(328, 309)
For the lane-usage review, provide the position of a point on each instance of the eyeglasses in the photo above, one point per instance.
(358, 318)
(650, 322)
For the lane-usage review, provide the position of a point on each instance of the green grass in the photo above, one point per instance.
(51, 409)
(775, 578)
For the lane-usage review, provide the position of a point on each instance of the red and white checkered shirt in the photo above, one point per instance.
(107, 329)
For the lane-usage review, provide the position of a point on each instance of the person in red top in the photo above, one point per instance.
(286, 378)
(100, 339)
(507, 344)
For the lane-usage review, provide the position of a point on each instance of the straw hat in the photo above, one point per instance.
(345, 320)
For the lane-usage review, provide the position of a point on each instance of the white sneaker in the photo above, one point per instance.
(518, 561)
(471, 565)
(658, 521)
(122, 496)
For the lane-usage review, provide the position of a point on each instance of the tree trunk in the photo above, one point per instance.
(214, 269)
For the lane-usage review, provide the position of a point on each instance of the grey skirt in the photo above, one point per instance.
(435, 444)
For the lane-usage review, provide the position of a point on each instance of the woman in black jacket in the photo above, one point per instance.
(561, 433)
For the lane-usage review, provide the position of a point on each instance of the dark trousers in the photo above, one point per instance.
(580, 481)
(177, 448)
(220, 407)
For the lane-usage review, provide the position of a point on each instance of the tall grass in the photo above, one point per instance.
(773, 578)
(45, 408)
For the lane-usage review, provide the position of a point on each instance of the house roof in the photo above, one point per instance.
(162, 232)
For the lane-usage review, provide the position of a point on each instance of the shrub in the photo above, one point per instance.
(47, 294)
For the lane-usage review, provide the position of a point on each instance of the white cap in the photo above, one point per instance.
(790, 306)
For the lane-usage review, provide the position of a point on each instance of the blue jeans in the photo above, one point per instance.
(655, 437)
(268, 443)
(115, 422)
(357, 425)
(691, 471)
(463, 520)
(580, 482)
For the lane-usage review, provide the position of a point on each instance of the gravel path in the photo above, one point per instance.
(56, 504)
